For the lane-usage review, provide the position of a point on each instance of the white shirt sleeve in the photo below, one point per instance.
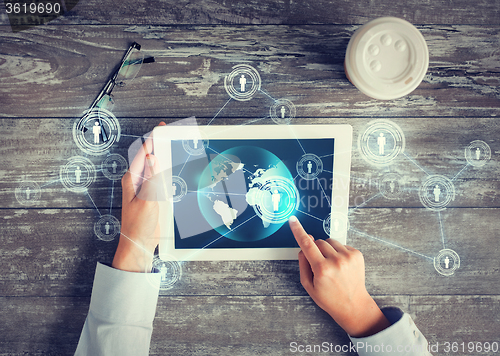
(402, 338)
(121, 313)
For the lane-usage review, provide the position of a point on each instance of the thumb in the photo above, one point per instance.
(151, 183)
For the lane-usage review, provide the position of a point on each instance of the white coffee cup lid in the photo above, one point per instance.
(387, 58)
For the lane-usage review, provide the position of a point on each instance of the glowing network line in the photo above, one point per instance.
(416, 164)
(138, 245)
(92, 200)
(51, 182)
(112, 195)
(441, 229)
(460, 172)
(365, 202)
(330, 154)
(218, 112)
(326, 196)
(312, 216)
(266, 94)
(135, 136)
(233, 229)
(184, 165)
(298, 141)
(436, 191)
(391, 244)
(212, 192)
(476, 149)
(255, 120)
(220, 237)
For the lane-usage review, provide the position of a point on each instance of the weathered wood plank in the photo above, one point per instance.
(280, 12)
(35, 149)
(389, 237)
(49, 72)
(453, 319)
(44, 250)
(54, 253)
(242, 325)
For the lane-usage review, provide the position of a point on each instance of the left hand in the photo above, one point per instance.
(140, 230)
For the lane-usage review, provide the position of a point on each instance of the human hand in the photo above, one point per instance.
(334, 276)
(140, 230)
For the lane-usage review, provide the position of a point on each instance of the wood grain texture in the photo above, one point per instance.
(435, 147)
(287, 12)
(50, 74)
(53, 252)
(301, 63)
(241, 325)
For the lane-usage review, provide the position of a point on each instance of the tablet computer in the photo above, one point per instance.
(230, 190)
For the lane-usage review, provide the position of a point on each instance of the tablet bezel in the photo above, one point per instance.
(163, 135)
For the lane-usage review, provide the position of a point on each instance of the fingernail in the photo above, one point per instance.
(293, 219)
(151, 161)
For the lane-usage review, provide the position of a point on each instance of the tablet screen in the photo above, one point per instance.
(240, 193)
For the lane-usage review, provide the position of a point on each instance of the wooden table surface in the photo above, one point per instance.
(50, 74)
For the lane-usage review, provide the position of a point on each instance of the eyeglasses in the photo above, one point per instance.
(129, 67)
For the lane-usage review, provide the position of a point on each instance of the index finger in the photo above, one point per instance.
(306, 243)
(137, 166)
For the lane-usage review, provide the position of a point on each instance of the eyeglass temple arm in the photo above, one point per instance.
(108, 87)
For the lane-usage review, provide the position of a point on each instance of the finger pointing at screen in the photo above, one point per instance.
(334, 276)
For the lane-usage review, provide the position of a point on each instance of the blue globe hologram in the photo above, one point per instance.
(248, 186)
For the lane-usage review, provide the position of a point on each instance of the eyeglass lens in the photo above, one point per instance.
(106, 102)
(130, 67)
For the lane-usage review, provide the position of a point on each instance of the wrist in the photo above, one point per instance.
(364, 319)
(131, 257)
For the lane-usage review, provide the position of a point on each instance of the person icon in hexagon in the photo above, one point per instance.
(96, 130)
(392, 186)
(381, 141)
(174, 189)
(276, 197)
(163, 271)
(283, 111)
(195, 143)
(106, 228)
(243, 83)
(336, 224)
(309, 167)
(437, 193)
(114, 165)
(447, 262)
(78, 174)
(478, 153)
(28, 193)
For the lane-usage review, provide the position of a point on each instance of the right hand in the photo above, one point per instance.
(334, 276)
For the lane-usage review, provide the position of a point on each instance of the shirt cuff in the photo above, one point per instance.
(124, 297)
(401, 338)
